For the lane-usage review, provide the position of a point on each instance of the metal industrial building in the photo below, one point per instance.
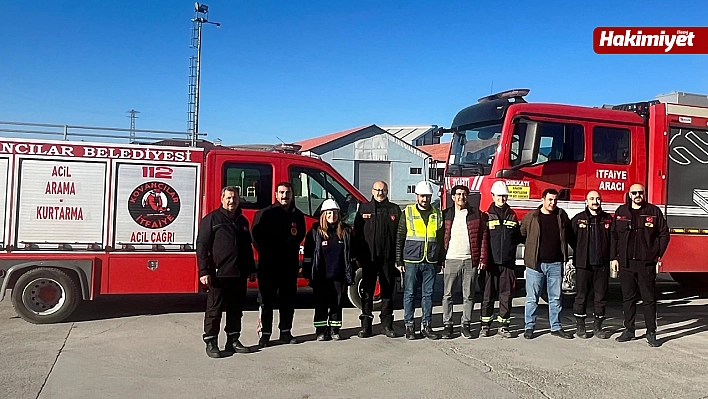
(366, 154)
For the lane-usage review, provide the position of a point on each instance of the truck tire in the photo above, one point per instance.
(693, 280)
(45, 295)
(354, 290)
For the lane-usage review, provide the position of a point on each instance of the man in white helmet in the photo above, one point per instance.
(418, 255)
(499, 278)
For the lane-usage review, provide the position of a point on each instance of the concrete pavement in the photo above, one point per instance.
(150, 347)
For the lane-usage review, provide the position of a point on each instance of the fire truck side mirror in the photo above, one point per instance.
(531, 142)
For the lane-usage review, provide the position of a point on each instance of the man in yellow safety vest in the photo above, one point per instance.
(418, 249)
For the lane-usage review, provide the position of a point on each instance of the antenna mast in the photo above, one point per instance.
(200, 18)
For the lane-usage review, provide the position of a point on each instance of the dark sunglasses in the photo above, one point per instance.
(637, 192)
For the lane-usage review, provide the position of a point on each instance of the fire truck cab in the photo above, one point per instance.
(574, 149)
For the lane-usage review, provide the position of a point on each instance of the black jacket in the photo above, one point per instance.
(375, 228)
(504, 235)
(312, 259)
(591, 231)
(277, 235)
(224, 245)
(652, 234)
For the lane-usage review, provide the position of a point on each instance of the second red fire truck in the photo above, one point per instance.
(574, 149)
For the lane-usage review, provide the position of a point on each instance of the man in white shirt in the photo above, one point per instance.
(465, 244)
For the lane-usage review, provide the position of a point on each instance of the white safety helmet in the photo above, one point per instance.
(424, 188)
(499, 188)
(330, 205)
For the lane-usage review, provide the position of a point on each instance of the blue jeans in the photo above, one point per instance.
(552, 275)
(413, 275)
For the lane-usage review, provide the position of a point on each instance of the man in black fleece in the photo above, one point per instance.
(499, 279)
(640, 236)
(225, 260)
(591, 246)
(278, 231)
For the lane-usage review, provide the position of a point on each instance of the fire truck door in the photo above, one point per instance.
(610, 169)
(559, 164)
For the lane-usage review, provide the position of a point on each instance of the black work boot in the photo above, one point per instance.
(581, 332)
(212, 347)
(410, 331)
(597, 328)
(466, 331)
(651, 339)
(233, 345)
(264, 340)
(485, 331)
(335, 334)
(388, 331)
(287, 338)
(504, 331)
(447, 331)
(627, 335)
(562, 334)
(365, 331)
(427, 332)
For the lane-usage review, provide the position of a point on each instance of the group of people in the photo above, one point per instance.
(418, 241)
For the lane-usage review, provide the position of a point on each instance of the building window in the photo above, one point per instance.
(254, 183)
(436, 173)
(411, 189)
(416, 171)
(610, 145)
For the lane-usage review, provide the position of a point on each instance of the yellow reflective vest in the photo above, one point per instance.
(421, 240)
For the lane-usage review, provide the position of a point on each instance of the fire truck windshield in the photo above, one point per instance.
(475, 149)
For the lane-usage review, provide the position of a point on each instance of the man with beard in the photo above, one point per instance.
(278, 231)
(591, 246)
(640, 236)
(225, 260)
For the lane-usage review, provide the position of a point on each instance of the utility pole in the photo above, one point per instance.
(133, 116)
(195, 63)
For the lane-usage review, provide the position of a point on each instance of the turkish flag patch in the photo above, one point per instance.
(393, 218)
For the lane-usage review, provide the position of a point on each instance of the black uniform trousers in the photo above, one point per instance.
(591, 284)
(277, 289)
(385, 272)
(639, 280)
(498, 282)
(328, 304)
(224, 295)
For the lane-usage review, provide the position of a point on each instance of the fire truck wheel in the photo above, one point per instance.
(354, 290)
(692, 280)
(45, 295)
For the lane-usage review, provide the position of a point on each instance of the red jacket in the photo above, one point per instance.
(476, 229)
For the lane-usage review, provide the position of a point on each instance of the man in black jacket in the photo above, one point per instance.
(225, 260)
(640, 236)
(278, 231)
(375, 229)
(499, 278)
(591, 246)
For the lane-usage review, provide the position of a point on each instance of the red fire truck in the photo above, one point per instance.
(574, 149)
(86, 219)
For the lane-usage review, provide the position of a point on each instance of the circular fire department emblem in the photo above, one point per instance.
(154, 205)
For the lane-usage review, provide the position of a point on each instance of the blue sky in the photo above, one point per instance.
(299, 69)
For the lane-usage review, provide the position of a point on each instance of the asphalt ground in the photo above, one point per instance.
(151, 347)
